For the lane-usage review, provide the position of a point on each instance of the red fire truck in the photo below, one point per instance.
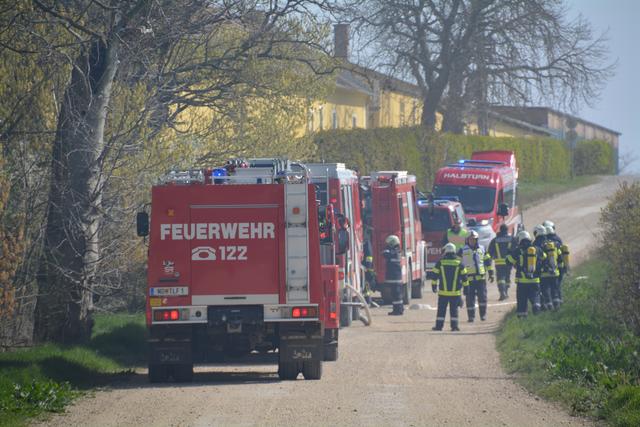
(486, 186)
(394, 210)
(235, 267)
(437, 216)
(338, 187)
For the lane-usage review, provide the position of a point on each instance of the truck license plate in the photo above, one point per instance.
(173, 291)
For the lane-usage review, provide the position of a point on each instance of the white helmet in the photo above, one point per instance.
(539, 230)
(548, 223)
(524, 235)
(549, 230)
(473, 234)
(392, 240)
(449, 248)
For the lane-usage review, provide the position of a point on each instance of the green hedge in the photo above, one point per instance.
(424, 153)
(594, 157)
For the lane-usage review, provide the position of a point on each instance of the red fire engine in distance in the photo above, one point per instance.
(394, 210)
(486, 186)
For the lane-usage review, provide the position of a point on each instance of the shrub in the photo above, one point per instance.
(620, 221)
(423, 153)
(593, 157)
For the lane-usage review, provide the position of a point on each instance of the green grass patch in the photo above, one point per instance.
(532, 192)
(579, 355)
(46, 378)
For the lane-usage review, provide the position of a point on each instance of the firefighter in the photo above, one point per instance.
(448, 278)
(527, 260)
(555, 263)
(456, 234)
(540, 241)
(477, 262)
(498, 249)
(393, 275)
(564, 258)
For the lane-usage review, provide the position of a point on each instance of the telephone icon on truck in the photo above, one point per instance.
(203, 253)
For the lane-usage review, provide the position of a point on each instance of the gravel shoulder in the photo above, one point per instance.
(396, 372)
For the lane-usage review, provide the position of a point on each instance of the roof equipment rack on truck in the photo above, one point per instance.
(394, 210)
(338, 187)
(486, 186)
(234, 267)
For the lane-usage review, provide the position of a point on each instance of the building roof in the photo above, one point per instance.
(505, 109)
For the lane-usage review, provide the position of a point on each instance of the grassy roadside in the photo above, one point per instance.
(578, 355)
(47, 378)
(530, 193)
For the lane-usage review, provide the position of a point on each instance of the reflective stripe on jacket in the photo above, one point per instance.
(450, 276)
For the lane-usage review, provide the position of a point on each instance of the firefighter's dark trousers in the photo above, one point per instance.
(525, 293)
(560, 279)
(397, 297)
(547, 284)
(503, 276)
(556, 292)
(453, 303)
(477, 288)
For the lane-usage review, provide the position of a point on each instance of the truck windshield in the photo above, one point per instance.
(473, 199)
(434, 219)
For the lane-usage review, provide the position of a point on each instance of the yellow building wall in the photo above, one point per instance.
(349, 108)
(498, 129)
(397, 109)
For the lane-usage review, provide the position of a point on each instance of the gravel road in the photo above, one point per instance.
(396, 372)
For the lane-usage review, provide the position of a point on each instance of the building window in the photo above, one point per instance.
(310, 120)
(354, 121)
(414, 112)
(321, 117)
(402, 113)
(334, 119)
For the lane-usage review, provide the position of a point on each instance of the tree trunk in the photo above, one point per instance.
(71, 244)
(429, 115)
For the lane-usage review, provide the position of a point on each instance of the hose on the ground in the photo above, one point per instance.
(369, 319)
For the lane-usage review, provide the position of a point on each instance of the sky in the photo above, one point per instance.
(619, 105)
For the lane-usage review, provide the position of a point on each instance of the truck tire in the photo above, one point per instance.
(331, 352)
(157, 373)
(288, 371)
(355, 315)
(387, 297)
(417, 288)
(183, 373)
(346, 316)
(312, 369)
(406, 295)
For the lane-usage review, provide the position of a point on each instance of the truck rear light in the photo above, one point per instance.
(302, 312)
(170, 315)
(341, 275)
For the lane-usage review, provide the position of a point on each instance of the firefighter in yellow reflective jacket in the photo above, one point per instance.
(448, 278)
(456, 234)
(550, 276)
(477, 262)
(527, 260)
(564, 259)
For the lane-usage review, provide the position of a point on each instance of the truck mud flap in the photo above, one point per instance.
(301, 350)
(301, 343)
(170, 353)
